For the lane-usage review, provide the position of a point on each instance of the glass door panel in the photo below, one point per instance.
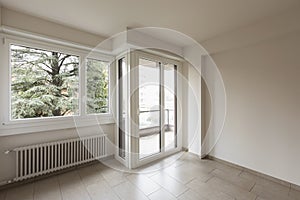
(170, 106)
(122, 76)
(149, 108)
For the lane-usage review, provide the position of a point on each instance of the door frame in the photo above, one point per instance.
(131, 159)
(126, 160)
(134, 99)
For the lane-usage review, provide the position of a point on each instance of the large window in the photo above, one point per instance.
(46, 84)
(97, 87)
(43, 83)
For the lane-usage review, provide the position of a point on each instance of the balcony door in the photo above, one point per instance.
(157, 108)
(147, 108)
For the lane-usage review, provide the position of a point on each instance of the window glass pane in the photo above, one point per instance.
(122, 84)
(170, 106)
(149, 94)
(97, 86)
(149, 145)
(149, 106)
(43, 83)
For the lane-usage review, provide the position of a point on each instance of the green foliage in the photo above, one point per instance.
(97, 86)
(43, 83)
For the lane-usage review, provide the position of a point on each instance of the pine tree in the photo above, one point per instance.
(97, 86)
(43, 83)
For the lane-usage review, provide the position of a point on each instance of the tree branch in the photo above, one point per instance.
(62, 60)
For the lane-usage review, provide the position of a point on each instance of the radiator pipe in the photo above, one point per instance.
(8, 151)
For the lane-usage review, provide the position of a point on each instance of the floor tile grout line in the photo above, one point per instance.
(257, 176)
(184, 193)
(111, 188)
(175, 181)
(254, 183)
(249, 190)
(116, 184)
(160, 187)
(233, 186)
(83, 184)
(153, 174)
(60, 189)
(290, 189)
(211, 172)
(33, 190)
(227, 193)
(190, 181)
(57, 181)
(252, 187)
(153, 191)
(136, 187)
(241, 172)
(171, 178)
(180, 193)
(209, 179)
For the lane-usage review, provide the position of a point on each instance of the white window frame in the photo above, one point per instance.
(10, 126)
(10, 75)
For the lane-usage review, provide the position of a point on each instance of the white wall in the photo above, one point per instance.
(0, 15)
(263, 106)
(264, 29)
(205, 110)
(43, 27)
(194, 111)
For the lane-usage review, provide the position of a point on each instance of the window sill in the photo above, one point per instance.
(52, 124)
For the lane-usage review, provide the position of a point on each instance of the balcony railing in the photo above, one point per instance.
(153, 127)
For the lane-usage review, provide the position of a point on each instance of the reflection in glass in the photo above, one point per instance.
(170, 106)
(149, 107)
(122, 70)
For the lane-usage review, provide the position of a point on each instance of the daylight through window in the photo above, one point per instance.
(97, 86)
(43, 83)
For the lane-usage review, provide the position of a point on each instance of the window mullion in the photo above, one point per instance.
(82, 83)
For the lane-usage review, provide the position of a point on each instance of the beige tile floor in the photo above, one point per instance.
(185, 178)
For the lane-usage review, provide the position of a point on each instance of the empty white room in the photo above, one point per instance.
(136, 99)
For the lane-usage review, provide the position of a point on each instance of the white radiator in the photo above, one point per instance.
(35, 160)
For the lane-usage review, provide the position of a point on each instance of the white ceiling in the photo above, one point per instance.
(200, 19)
